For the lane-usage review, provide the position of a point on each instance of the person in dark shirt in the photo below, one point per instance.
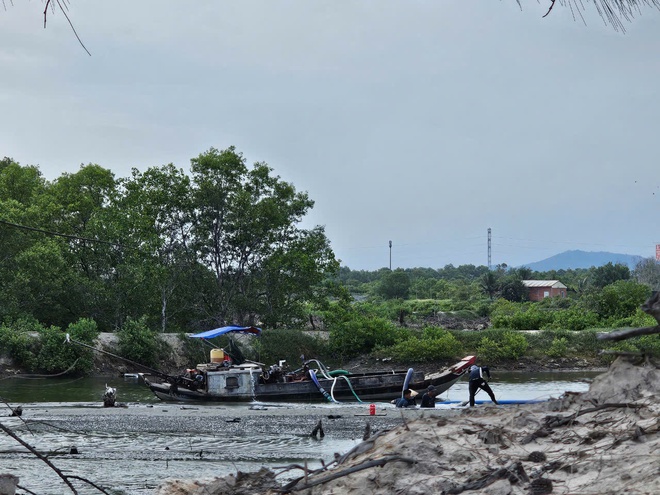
(408, 399)
(428, 399)
(477, 382)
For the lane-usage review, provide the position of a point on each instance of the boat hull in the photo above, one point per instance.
(243, 385)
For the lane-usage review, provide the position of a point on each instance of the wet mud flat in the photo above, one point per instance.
(604, 441)
(134, 449)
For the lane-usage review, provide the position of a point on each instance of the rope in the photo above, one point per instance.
(159, 373)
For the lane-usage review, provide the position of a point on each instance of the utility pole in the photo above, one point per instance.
(390, 255)
(489, 248)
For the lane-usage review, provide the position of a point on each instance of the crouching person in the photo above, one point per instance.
(408, 399)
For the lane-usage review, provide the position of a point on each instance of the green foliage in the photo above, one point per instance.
(619, 299)
(394, 285)
(514, 290)
(360, 335)
(423, 308)
(637, 320)
(648, 344)
(16, 340)
(647, 272)
(564, 343)
(574, 318)
(56, 356)
(506, 345)
(519, 316)
(608, 274)
(490, 284)
(224, 243)
(140, 344)
(434, 344)
(483, 309)
(558, 348)
(289, 344)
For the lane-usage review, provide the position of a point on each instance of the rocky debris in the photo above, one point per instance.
(604, 441)
(453, 322)
(263, 481)
(8, 484)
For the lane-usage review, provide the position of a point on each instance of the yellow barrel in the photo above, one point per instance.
(217, 355)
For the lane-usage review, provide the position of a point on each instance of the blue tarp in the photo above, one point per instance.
(209, 334)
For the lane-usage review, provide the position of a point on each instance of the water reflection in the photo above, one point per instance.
(507, 385)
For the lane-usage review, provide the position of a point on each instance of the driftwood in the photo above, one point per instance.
(345, 472)
(650, 307)
(555, 421)
(629, 333)
(514, 473)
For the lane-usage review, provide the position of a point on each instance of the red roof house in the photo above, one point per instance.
(540, 289)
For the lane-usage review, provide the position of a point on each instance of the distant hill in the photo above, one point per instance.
(583, 259)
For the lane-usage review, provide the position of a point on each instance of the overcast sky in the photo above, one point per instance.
(420, 122)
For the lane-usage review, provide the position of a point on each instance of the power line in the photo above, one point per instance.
(56, 234)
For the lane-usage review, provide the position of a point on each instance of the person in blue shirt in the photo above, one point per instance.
(477, 382)
(408, 399)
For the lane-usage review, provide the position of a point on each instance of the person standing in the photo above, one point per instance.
(477, 381)
(428, 399)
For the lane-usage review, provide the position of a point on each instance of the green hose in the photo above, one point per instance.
(339, 373)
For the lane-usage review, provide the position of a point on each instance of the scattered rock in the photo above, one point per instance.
(8, 483)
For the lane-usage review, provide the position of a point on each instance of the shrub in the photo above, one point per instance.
(434, 344)
(16, 341)
(619, 300)
(422, 307)
(56, 355)
(637, 320)
(574, 318)
(648, 344)
(360, 335)
(520, 316)
(138, 343)
(288, 344)
(505, 346)
(558, 348)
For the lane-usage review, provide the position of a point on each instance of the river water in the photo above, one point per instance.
(131, 450)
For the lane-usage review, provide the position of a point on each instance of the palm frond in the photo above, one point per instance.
(613, 12)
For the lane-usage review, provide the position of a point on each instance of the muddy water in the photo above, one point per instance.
(132, 449)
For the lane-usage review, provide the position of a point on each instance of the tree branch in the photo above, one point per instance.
(50, 464)
(354, 469)
(650, 307)
(550, 9)
(628, 333)
(59, 4)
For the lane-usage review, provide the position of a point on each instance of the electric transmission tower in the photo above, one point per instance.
(489, 248)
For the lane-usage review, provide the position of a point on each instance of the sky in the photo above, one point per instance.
(424, 123)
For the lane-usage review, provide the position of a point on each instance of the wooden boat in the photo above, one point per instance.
(225, 379)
